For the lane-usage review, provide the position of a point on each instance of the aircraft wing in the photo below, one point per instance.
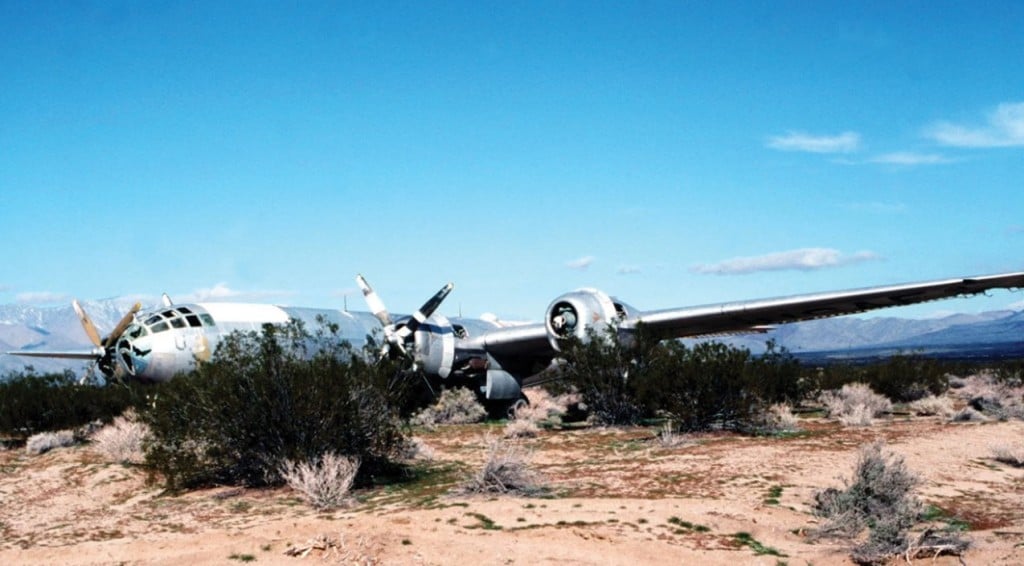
(747, 316)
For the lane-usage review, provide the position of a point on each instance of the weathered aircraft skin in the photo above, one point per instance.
(495, 357)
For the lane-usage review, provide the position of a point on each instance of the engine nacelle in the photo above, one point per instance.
(573, 314)
(435, 346)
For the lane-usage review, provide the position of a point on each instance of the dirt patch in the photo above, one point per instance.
(616, 496)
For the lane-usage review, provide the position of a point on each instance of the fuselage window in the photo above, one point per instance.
(159, 327)
(207, 319)
(177, 322)
(192, 319)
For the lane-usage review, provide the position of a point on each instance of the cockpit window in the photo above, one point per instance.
(152, 320)
(207, 320)
(136, 331)
(184, 310)
(177, 322)
(159, 327)
(192, 319)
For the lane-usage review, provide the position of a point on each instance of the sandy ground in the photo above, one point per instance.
(618, 497)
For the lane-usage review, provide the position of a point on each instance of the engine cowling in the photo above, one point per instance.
(435, 346)
(573, 314)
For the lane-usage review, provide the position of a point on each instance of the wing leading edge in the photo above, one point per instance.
(739, 317)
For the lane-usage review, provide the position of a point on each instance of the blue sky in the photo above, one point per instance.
(669, 153)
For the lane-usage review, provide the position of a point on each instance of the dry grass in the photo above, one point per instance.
(992, 397)
(121, 441)
(323, 483)
(505, 470)
(933, 406)
(778, 419)
(855, 404)
(1009, 454)
(453, 406)
(520, 428)
(46, 441)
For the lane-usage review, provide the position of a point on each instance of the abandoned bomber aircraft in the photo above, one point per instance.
(492, 357)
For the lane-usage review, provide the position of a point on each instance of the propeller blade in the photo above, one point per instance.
(425, 312)
(90, 328)
(373, 301)
(123, 325)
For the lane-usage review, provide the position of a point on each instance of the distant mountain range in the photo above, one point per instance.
(58, 328)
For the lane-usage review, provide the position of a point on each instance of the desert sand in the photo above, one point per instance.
(617, 496)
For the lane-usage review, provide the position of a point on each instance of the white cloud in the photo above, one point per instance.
(42, 297)
(1004, 128)
(1018, 306)
(846, 142)
(628, 270)
(876, 207)
(580, 264)
(910, 158)
(221, 292)
(805, 259)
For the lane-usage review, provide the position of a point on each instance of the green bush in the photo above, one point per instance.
(708, 385)
(902, 377)
(31, 403)
(271, 397)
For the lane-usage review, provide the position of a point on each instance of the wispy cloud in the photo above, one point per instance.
(221, 292)
(1018, 306)
(805, 259)
(846, 142)
(5, 288)
(581, 263)
(1016, 229)
(42, 298)
(876, 207)
(628, 270)
(1004, 128)
(910, 158)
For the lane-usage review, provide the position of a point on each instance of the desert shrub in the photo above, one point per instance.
(902, 377)
(270, 397)
(1007, 454)
(855, 404)
(31, 403)
(545, 409)
(700, 387)
(324, 482)
(459, 405)
(878, 498)
(46, 441)
(506, 469)
(122, 440)
(933, 406)
(968, 415)
(776, 419)
(995, 397)
(521, 428)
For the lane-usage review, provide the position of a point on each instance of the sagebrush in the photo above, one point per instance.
(122, 440)
(323, 482)
(453, 406)
(506, 469)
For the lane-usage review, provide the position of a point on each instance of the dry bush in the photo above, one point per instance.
(855, 404)
(933, 406)
(968, 415)
(777, 419)
(668, 437)
(878, 498)
(323, 483)
(993, 397)
(521, 428)
(506, 470)
(415, 449)
(544, 409)
(1012, 455)
(46, 441)
(453, 406)
(121, 441)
